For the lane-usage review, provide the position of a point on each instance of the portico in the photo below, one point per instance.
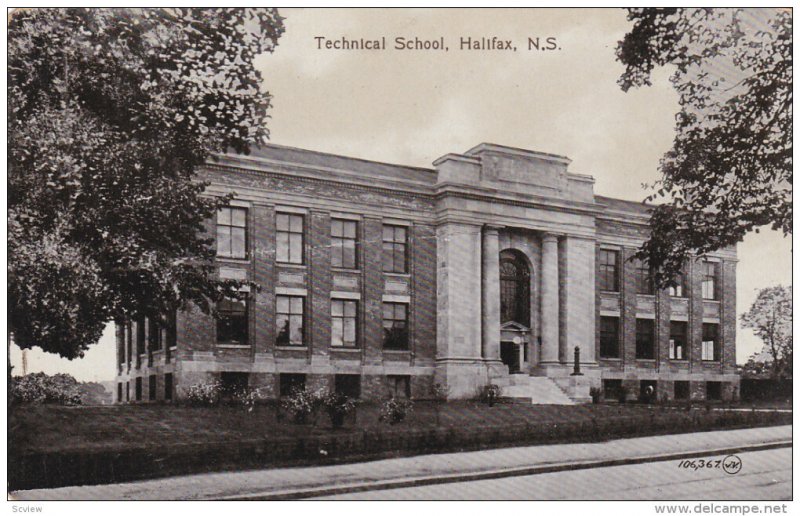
(522, 311)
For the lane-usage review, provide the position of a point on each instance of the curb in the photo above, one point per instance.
(493, 474)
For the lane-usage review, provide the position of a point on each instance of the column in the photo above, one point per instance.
(550, 301)
(490, 289)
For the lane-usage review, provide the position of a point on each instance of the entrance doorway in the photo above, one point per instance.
(509, 355)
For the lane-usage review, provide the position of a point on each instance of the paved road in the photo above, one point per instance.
(765, 475)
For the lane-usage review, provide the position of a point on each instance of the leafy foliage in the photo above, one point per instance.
(60, 389)
(111, 112)
(729, 171)
(395, 410)
(302, 404)
(204, 394)
(770, 317)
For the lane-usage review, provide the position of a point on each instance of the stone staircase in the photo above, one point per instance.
(538, 390)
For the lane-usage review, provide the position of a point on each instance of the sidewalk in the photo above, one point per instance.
(419, 470)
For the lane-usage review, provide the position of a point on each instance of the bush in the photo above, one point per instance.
(338, 406)
(204, 394)
(302, 404)
(246, 398)
(490, 394)
(395, 410)
(60, 389)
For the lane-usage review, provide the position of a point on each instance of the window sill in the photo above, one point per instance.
(346, 349)
(713, 301)
(680, 360)
(397, 351)
(678, 297)
(230, 259)
(292, 348)
(646, 360)
(288, 265)
(345, 270)
(233, 346)
(646, 296)
(611, 292)
(611, 359)
(398, 274)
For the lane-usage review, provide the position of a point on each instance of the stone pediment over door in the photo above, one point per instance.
(511, 329)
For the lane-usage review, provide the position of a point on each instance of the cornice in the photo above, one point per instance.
(359, 187)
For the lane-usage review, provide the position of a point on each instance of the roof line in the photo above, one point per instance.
(410, 167)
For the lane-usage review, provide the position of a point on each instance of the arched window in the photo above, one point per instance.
(515, 281)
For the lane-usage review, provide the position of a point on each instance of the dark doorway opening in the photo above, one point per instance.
(509, 355)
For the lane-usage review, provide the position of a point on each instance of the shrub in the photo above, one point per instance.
(204, 394)
(595, 393)
(338, 406)
(60, 389)
(247, 398)
(490, 394)
(302, 404)
(395, 410)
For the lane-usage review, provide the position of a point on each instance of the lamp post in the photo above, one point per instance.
(576, 371)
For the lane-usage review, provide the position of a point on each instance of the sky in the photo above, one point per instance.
(412, 106)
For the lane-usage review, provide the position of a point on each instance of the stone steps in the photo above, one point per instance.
(540, 390)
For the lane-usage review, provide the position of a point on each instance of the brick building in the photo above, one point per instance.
(380, 279)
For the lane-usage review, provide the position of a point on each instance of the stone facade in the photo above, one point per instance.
(500, 276)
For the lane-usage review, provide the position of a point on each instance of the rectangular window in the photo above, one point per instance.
(139, 389)
(128, 391)
(608, 271)
(710, 350)
(232, 233)
(154, 334)
(232, 326)
(291, 382)
(151, 384)
(713, 391)
(171, 333)
(344, 323)
(681, 390)
(400, 385)
(168, 386)
(709, 275)
(395, 326)
(394, 249)
(289, 321)
(677, 340)
(612, 389)
(232, 382)
(609, 337)
(644, 280)
(344, 240)
(348, 384)
(119, 392)
(644, 339)
(679, 289)
(140, 340)
(129, 341)
(289, 238)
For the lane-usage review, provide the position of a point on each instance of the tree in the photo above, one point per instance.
(770, 317)
(111, 112)
(729, 170)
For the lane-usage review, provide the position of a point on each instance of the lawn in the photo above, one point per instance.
(56, 428)
(52, 446)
